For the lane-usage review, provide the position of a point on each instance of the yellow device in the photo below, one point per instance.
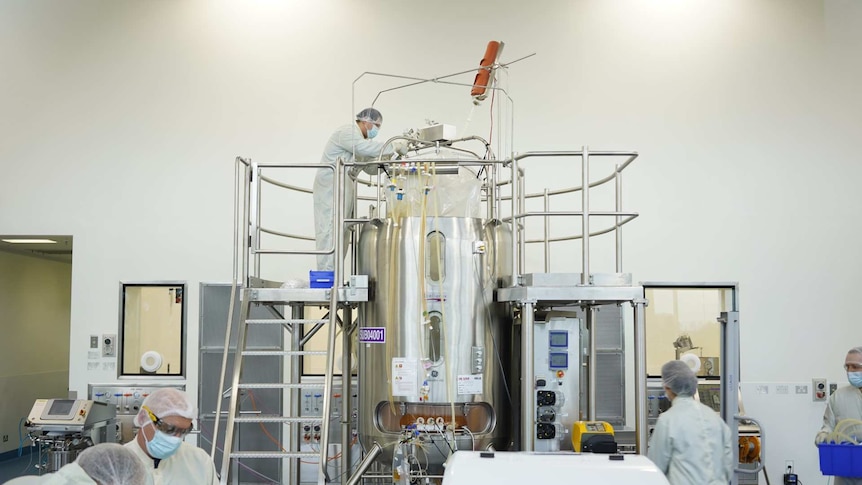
(593, 437)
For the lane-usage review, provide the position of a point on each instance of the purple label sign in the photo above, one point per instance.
(372, 335)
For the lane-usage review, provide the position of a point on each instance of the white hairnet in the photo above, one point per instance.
(370, 115)
(166, 402)
(112, 464)
(679, 378)
(855, 350)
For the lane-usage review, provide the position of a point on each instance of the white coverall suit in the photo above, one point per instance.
(844, 403)
(691, 444)
(190, 465)
(346, 141)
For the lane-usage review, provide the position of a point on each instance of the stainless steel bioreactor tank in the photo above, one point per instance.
(433, 344)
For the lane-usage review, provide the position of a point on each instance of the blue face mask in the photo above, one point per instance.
(372, 132)
(163, 445)
(855, 378)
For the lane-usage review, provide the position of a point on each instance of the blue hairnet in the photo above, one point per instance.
(679, 378)
(371, 115)
(112, 463)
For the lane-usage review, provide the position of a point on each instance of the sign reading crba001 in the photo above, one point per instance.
(372, 335)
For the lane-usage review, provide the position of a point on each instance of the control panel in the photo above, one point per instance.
(556, 382)
(311, 406)
(62, 416)
(820, 390)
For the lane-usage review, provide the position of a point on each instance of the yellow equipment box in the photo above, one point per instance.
(593, 437)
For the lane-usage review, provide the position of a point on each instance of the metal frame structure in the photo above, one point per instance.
(591, 289)
(524, 293)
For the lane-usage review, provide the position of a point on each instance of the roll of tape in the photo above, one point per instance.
(151, 361)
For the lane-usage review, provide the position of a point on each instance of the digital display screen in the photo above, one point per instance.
(710, 394)
(595, 427)
(61, 407)
(558, 360)
(558, 339)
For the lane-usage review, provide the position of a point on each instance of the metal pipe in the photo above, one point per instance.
(569, 190)
(346, 376)
(439, 161)
(618, 207)
(591, 388)
(257, 196)
(297, 311)
(547, 245)
(585, 220)
(333, 311)
(729, 364)
(579, 236)
(641, 431)
(365, 463)
(522, 238)
(493, 194)
(237, 369)
(574, 213)
(569, 153)
(286, 234)
(286, 186)
(516, 233)
(246, 221)
(435, 80)
(528, 380)
(229, 325)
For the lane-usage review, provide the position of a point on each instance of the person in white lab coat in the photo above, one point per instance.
(103, 464)
(352, 143)
(164, 419)
(845, 403)
(690, 444)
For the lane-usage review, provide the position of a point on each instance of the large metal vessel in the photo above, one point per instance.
(434, 347)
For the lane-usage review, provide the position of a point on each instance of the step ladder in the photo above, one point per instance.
(246, 264)
(291, 419)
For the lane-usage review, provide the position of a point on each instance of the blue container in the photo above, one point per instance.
(321, 279)
(844, 460)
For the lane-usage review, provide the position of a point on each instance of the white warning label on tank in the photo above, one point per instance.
(470, 384)
(405, 381)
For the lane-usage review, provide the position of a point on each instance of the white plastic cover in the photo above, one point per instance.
(518, 468)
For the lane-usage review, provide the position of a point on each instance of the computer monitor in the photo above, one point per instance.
(60, 409)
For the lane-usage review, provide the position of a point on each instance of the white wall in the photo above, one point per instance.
(35, 302)
(121, 120)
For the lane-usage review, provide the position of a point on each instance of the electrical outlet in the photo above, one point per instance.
(788, 466)
(109, 347)
(94, 341)
(818, 385)
(5, 438)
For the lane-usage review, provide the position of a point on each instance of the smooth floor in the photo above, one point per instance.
(18, 467)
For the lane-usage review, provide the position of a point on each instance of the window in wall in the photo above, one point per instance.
(152, 329)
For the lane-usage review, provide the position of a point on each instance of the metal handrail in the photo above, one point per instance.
(762, 462)
(581, 236)
(519, 212)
